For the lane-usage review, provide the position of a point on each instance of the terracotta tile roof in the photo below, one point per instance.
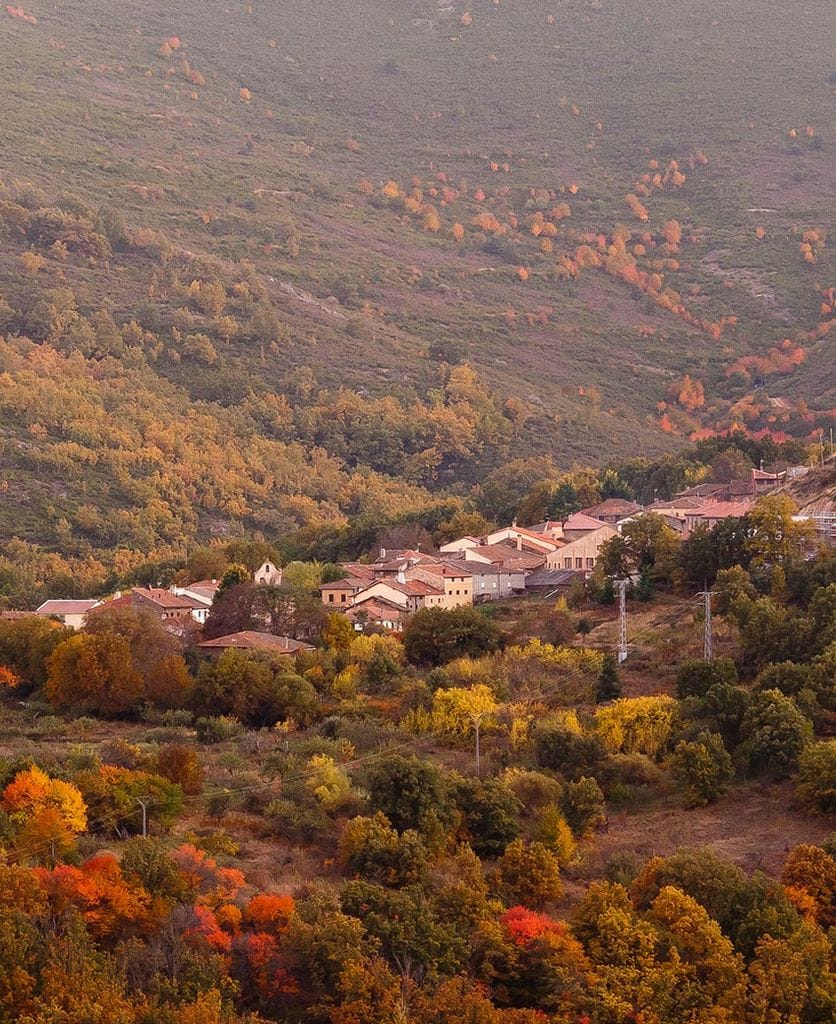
(722, 509)
(581, 521)
(248, 640)
(165, 599)
(376, 608)
(677, 503)
(349, 583)
(65, 607)
(612, 507)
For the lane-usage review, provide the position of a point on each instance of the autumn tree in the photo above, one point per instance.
(703, 766)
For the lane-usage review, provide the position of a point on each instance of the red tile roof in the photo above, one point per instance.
(248, 640)
(66, 607)
(165, 599)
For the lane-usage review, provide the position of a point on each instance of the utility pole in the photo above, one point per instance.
(477, 725)
(622, 620)
(708, 642)
(143, 803)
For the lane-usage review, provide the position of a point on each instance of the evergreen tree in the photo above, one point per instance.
(608, 684)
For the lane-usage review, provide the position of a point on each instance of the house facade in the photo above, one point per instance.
(581, 555)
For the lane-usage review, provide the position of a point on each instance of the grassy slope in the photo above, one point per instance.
(92, 113)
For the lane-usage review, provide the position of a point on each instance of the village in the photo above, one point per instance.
(380, 592)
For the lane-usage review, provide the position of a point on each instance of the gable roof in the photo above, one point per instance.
(66, 607)
(581, 521)
(612, 507)
(249, 640)
(347, 583)
(165, 598)
(723, 509)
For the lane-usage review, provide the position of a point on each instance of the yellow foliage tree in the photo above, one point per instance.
(641, 725)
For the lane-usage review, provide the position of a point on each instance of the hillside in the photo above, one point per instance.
(284, 264)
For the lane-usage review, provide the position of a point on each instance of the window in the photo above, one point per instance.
(567, 563)
(330, 599)
(590, 563)
(342, 598)
(579, 563)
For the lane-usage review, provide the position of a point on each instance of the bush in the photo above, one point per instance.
(703, 767)
(774, 733)
(817, 776)
(217, 730)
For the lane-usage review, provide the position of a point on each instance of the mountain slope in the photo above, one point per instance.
(620, 221)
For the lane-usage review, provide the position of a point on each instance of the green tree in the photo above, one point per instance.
(775, 733)
(490, 815)
(817, 776)
(583, 805)
(703, 766)
(608, 684)
(528, 873)
(407, 790)
(776, 536)
(434, 636)
(695, 677)
(258, 689)
(370, 848)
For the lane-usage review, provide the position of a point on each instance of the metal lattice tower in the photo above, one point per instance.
(708, 643)
(622, 620)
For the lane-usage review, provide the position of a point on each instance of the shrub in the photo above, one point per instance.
(703, 767)
(217, 729)
(817, 776)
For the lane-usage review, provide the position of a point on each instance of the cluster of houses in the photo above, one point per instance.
(183, 610)
(542, 559)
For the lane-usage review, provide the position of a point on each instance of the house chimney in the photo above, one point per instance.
(519, 543)
(401, 577)
(513, 524)
(382, 553)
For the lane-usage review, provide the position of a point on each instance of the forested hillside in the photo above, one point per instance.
(271, 265)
